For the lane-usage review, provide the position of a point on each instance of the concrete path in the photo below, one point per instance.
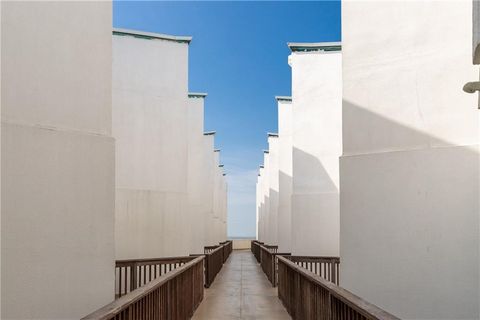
(241, 291)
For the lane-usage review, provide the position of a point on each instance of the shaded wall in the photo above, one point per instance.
(57, 159)
(316, 138)
(196, 177)
(284, 176)
(273, 190)
(409, 173)
(150, 118)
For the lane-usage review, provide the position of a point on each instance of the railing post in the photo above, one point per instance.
(133, 276)
(333, 270)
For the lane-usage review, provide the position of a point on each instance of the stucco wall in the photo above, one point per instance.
(273, 190)
(57, 159)
(208, 189)
(316, 138)
(241, 244)
(150, 115)
(284, 176)
(266, 199)
(196, 178)
(409, 174)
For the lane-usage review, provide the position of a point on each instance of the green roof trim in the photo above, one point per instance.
(197, 95)
(151, 35)
(283, 98)
(314, 46)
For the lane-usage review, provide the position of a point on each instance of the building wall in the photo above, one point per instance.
(242, 244)
(284, 176)
(409, 173)
(150, 115)
(266, 200)
(195, 176)
(208, 190)
(273, 189)
(316, 138)
(57, 225)
(217, 198)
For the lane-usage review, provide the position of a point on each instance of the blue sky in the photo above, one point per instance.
(238, 55)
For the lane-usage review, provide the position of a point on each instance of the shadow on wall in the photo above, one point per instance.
(311, 176)
(409, 219)
(284, 212)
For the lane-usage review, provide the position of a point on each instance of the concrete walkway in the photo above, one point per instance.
(241, 291)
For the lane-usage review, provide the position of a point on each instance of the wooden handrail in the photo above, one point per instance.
(215, 256)
(331, 301)
(174, 295)
(326, 267)
(131, 274)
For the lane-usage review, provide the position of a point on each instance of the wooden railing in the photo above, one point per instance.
(134, 273)
(174, 295)
(325, 267)
(306, 295)
(227, 249)
(215, 256)
(208, 249)
(255, 248)
(267, 261)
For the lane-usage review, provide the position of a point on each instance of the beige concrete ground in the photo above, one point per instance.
(241, 291)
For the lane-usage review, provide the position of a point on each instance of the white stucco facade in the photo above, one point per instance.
(57, 224)
(284, 220)
(317, 145)
(267, 227)
(196, 177)
(150, 117)
(409, 172)
(273, 188)
(208, 189)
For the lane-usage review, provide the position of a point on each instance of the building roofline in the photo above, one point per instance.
(150, 35)
(283, 98)
(209, 133)
(314, 46)
(197, 95)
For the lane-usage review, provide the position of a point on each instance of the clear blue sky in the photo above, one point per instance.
(238, 55)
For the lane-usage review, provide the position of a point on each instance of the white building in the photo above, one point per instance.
(284, 222)
(409, 170)
(196, 175)
(57, 230)
(208, 190)
(150, 116)
(317, 145)
(272, 188)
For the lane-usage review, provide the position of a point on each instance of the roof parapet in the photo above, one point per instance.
(150, 35)
(314, 46)
(197, 95)
(209, 133)
(283, 98)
